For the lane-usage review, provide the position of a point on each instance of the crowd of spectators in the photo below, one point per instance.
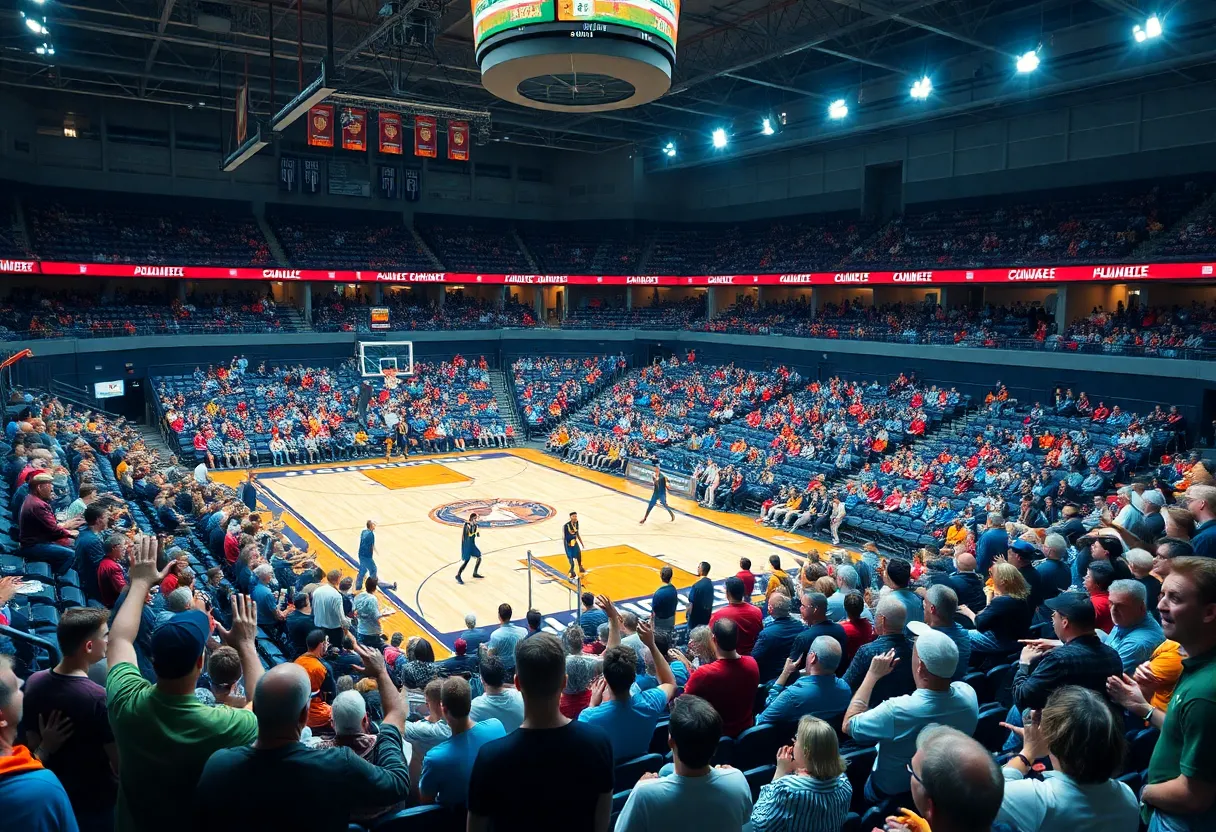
(548, 388)
(583, 248)
(1194, 238)
(235, 415)
(34, 313)
(467, 244)
(316, 238)
(659, 313)
(409, 312)
(95, 227)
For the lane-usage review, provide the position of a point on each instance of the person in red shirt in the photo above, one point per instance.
(739, 609)
(1098, 579)
(111, 580)
(729, 684)
(745, 574)
(857, 630)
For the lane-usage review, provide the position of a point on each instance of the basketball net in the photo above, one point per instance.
(390, 378)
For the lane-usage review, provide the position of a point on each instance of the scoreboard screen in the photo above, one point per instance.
(658, 17)
(379, 317)
(493, 16)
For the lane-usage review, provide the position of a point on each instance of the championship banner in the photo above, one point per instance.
(289, 167)
(354, 129)
(321, 126)
(311, 181)
(413, 184)
(391, 133)
(424, 136)
(458, 141)
(242, 114)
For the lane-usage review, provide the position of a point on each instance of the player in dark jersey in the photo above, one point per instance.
(658, 495)
(573, 541)
(468, 548)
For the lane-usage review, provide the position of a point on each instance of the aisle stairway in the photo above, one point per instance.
(506, 401)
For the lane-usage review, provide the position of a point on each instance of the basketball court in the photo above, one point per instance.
(522, 497)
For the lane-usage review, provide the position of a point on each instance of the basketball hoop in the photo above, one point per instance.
(390, 377)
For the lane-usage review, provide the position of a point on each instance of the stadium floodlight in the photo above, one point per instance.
(1028, 62)
(669, 150)
(719, 138)
(838, 109)
(38, 27)
(1151, 29)
(766, 126)
(922, 88)
(45, 49)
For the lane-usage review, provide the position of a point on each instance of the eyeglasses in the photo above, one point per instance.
(915, 776)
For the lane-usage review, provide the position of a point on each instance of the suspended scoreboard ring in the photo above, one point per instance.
(576, 56)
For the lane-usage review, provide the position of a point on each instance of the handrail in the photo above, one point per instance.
(20, 635)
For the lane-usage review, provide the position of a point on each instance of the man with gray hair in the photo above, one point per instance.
(1136, 634)
(956, 785)
(815, 615)
(1053, 569)
(776, 638)
(818, 693)
(940, 605)
(847, 580)
(179, 600)
(1200, 501)
(270, 616)
(472, 636)
(280, 764)
(890, 618)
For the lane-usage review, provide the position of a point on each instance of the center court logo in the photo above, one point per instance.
(493, 513)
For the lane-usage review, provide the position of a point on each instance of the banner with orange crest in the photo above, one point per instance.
(390, 133)
(321, 126)
(354, 129)
(424, 136)
(458, 141)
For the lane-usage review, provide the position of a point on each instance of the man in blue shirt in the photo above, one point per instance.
(473, 637)
(269, 614)
(503, 640)
(663, 604)
(777, 638)
(992, 543)
(1200, 501)
(700, 598)
(628, 720)
(818, 693)
(590, 618)
(1136, 634)
(32, 797)
(897, 576)
(447, 767)
(367, 551)
(90, 550)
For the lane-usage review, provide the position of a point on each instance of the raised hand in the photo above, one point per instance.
(143, 561)
(646, 633)
(883, 663)
(371, 659)
(605, 604)
(244, 622)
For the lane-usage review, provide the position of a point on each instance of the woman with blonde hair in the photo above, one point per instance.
(809, 791)
(1006, 618)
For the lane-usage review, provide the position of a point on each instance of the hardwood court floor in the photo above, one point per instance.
(418, 540)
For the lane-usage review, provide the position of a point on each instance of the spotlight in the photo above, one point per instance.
(1150, 30)
(38, 27)
(838, 109)
(1028, 62)
(45, 49)
(669, 150)
(766, 127)
(922, 88)
(719, 138)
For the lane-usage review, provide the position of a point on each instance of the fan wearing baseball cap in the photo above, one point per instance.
(163, 732)
(896, 723)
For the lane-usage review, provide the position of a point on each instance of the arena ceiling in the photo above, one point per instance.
(739, 61)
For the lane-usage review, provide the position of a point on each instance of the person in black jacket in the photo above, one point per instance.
(700, 598)
(967, 584)
(1006, 618)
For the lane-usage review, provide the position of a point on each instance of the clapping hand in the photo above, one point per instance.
(883, 663)
(1126, 693)
(1148, 681)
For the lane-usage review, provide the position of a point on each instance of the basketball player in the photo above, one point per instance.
(468, 548)
(658, 495)
(573, 542)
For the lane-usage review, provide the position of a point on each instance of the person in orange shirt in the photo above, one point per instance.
(320, 715)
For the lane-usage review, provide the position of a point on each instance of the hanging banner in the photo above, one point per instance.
(311, 181)
(458, 141)
(289, 167)
(391, 133)
(242, 114)
(413, 184)
(321, 126)
(354, 129)
(390, 182)
(424, 136)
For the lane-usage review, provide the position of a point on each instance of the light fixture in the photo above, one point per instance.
(922, 88)
(38, 27)
(766, 126)
(719, 138)
(838, 109)
(1028, 62)
(1151, 29)
(45, 49)
(669, 150)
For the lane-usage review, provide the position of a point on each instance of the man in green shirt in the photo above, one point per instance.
(1181, 791)
(163, 732)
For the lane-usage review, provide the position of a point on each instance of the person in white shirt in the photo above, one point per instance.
(697, 794)
(498, 702)
(200, 473)
(1079, 733)
(895, 723)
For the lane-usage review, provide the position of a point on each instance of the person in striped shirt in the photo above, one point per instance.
(809, 792)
